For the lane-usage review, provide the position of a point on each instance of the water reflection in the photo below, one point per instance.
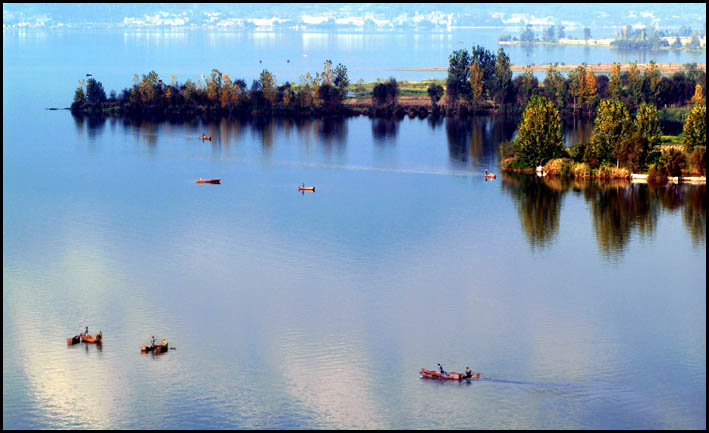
(618, 209)
(695, 214)
(384, 130)
(538, 206)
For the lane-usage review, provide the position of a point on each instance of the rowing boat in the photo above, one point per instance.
(200, 180)
(431, 374)
(306, 188)
(207, 137)
(89, 339)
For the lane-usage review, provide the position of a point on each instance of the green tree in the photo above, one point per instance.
(502, 77)
(94, 91)
(486, 60)
(694, 132)
(652, 80)
(435, 92)
(635, 85)
(647, 122)
(458, 70)
(555, 85)
(341, 79)
(539, 138)
(612, 123)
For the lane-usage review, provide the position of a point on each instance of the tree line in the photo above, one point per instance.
(619, 140)
(480, 79)
(218, 92)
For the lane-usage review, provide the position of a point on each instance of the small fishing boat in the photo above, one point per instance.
(431, 374)
(73, 340)
(200, 180)
(156, 348)
(89, 339)
(207, 137)
(491, 176)
(306, 188)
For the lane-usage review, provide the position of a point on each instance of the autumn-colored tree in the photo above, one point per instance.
(225, 93)
(189, 92)
(614, 86)
(476, 83)
(268, 84)
(539, 138)
(694, 132)
(79, 95)
(698, 97)
(612, 124)
(589, 91)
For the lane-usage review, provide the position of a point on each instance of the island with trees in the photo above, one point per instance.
(625, 105)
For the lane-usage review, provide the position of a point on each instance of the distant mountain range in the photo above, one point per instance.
(601, 18)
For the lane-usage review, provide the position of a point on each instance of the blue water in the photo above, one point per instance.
(582, 305)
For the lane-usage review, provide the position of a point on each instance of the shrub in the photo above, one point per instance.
(581, 170)
(657, 174)
(608, 171)
(699, 159)
(675, 161)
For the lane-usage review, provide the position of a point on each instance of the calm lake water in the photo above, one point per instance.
(583, 305)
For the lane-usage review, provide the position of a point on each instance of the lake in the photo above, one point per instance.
(583, 305)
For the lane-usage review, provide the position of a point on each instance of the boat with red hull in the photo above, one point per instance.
(89, 339)
(432, 374)
(200, 180)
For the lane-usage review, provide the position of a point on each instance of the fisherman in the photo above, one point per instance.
(468, 373)
(153, 340)
(87, 331)
(440, 367)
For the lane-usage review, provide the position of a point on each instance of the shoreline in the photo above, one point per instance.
(599, 68)
(634, 177)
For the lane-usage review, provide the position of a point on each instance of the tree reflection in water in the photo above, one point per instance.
(617, 209)
(538, 205)
(695, 214)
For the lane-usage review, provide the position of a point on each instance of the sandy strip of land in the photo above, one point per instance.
(642, 178)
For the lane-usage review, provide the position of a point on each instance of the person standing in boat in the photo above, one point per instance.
(153, 340)
(87, 331)
(440, 367)
(468, 373)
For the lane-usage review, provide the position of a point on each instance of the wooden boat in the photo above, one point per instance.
(491, 176)
(155, 348)
(73, 340)
(306, 188)
(207, 137)
(200, 180)
(431, 374)
(89, 339)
